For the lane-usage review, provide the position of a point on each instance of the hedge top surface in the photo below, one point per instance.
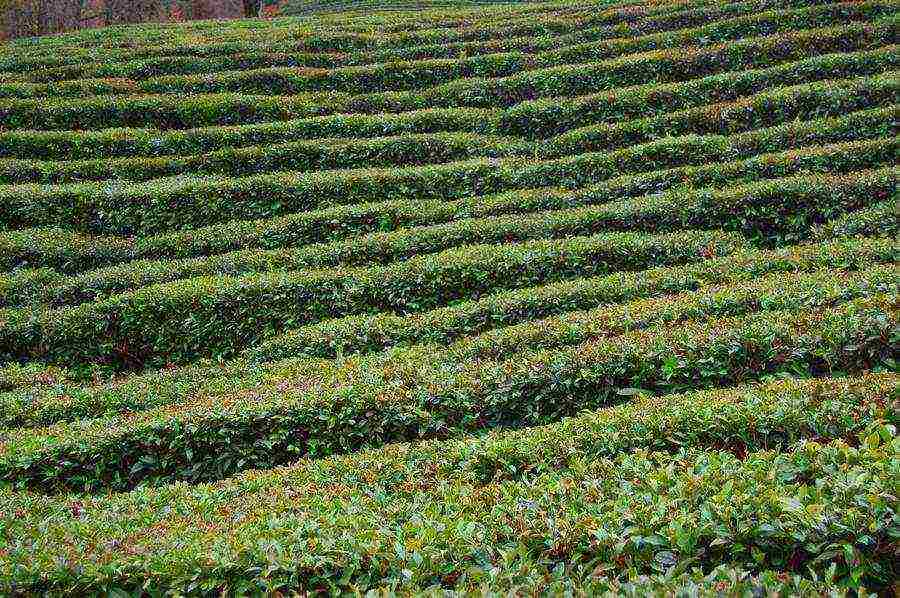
(453, 297)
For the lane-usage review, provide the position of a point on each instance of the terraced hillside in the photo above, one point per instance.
(539, 298)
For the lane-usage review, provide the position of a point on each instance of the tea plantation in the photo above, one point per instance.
(576, 297)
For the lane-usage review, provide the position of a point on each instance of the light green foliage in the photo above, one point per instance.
(563, 297)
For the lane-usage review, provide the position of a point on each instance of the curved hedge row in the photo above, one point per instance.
(391, 76)
(434, 71)
(420, 394)
(539, 118)
(15, 376)
(166, 111)
(160, 552)
(502, 35)
(67, 89)
(181, 203)
(163, 111)
(821, 99)
(536, 44)
(288, 77)
(371, 333)
(825, 98)
(159, 205)
(49, 73)
(67, 402)
(84, 62)
(661, 66)
(119, 142)
(880, 219)
(321, 154)
(778, 292)
(552, 116)
(342, 36)
(284, 79)
(61, 395)
(770, 212)
(70, 252)
(468, 223)
(758, 23)
(217, 316)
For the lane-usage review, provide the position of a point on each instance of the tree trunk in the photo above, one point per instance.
(25, 18)
(63, 15)
(20, 19)
(93, 14)
(252, 8)
(132, 11)
(217, 9)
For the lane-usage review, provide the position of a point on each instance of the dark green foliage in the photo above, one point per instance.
(592, 298)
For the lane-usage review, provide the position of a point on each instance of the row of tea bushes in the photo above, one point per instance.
(651, 500)
(480, 327)
(757, 210)
(69, 251)
(422, 393)
(80, 62)
(820, 100)
(65, 402)
(876, 220)
(680, 64)
(801, 102)
(428, 72)
(538, 118)
(323, 154)
(219, 315)
(180, 203)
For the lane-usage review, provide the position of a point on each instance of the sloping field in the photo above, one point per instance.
(537, 298)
